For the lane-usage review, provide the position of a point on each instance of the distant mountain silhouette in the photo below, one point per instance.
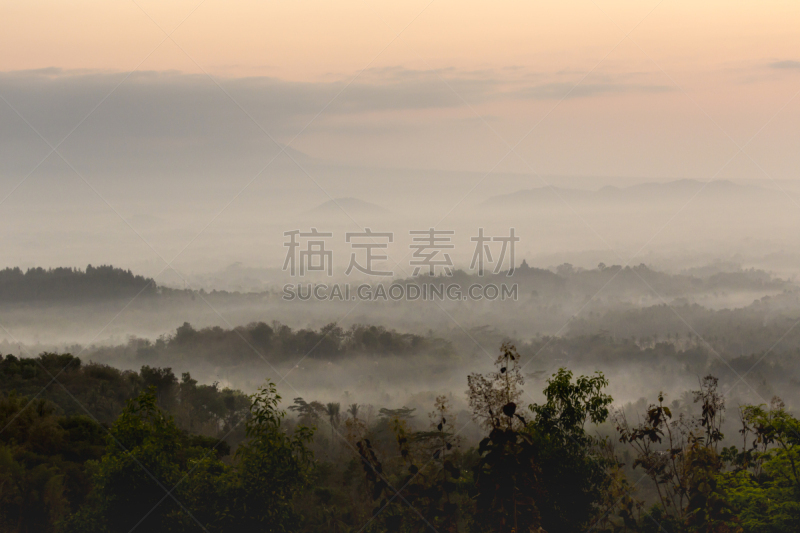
(644, 193)
(349, 206)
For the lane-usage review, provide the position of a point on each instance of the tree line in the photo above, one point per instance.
(563, 282)
(170, 454)
(102, 282)
(276, 341)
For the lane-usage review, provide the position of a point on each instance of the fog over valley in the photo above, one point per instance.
(348, 267)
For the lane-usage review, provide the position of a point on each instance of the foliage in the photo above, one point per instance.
(494, 398)
(426, 490)
(270, 468)
(104, 391)
(763, 485)
(42, 462)
(572, 466)
(708, 509)
(160, 465)
(508, 481)
(150, 468)
(72, 284)
(258, 339)
(680, 457)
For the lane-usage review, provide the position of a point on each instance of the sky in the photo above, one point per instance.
(169, 108)
(655, 89)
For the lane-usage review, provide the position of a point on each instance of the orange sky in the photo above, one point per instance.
(495, 94)
(665, 100)
(311, 39)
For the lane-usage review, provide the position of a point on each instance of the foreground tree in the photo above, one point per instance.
(763, 484)
(543, 472)
(507, 472)
(679, 454)
(154, 477)
(271, 467)
(574, 467)
(144, 461)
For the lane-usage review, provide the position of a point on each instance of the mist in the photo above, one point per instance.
(536, 266)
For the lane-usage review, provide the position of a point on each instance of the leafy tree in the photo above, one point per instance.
(402, 413)
(491, 396)
(507, 473)
(763, 485)
(353, 410)
(679, 454)
(355, 428)
(164, 382)
(332, 410)
(708, 509)
(573, 468)
(151, 475)
(42, 458)
(309, 412)
(421, 494)
(142, 462)
(508, 480)
(271, 467)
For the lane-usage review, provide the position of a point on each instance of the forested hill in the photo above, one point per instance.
(103, 282)
(565, 281)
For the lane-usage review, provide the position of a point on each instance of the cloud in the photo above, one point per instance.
(558, 90)
(788, 64)
(170, 123)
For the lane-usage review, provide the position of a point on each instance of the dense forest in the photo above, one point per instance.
(746, 348)
(277, 341)
(103, 282)
(108, 282)
(86, 447)
(691, 426)
(737, 311)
